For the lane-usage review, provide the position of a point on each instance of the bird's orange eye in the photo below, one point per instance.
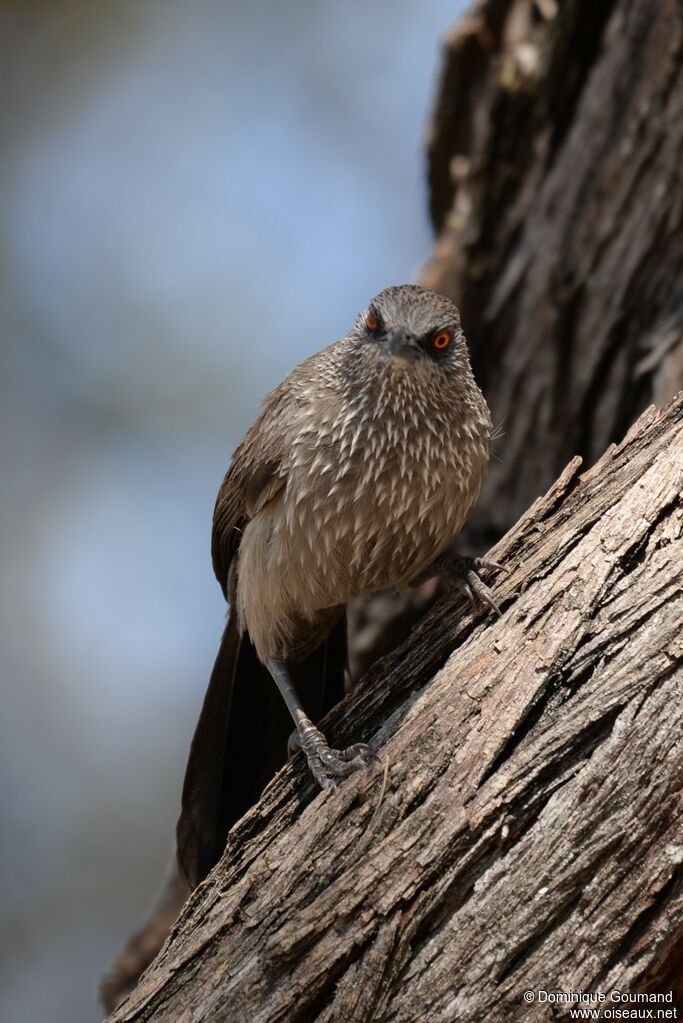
(371, 321)
(442, 340)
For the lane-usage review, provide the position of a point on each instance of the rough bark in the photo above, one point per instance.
(525, 830)
(556, 191)
(556, 194)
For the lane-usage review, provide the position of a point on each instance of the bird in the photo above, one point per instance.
(357, 475)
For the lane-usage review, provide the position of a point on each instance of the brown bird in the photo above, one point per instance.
(359, 472)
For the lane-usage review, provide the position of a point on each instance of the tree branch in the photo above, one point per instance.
(529, 833)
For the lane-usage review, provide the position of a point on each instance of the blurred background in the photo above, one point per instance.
(194, 197)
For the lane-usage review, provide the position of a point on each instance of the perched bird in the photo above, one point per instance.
(360, 470)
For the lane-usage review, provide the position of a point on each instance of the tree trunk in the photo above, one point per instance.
(523, 831)
(556, 193)
(556, 174)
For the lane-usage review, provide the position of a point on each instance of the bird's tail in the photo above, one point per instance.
(239, 743)
(241, 739)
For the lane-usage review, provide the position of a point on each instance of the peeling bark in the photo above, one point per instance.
(526, 831)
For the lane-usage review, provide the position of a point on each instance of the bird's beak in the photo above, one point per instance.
(401, 343)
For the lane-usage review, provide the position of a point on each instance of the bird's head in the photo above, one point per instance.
(414, 325)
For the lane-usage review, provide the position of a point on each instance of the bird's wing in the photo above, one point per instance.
(259, 466)
(256, 474)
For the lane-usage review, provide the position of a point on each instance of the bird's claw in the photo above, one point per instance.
(494, 566)
(463, 574)
(328, 765)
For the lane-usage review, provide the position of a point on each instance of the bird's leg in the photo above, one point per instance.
(462, 573)
(325, 763)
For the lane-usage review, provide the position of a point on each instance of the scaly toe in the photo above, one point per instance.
(339, 768)
(318, 771)
(358, 750)
(464, 575)
(325, 763)
(482, 593)
(493, 566)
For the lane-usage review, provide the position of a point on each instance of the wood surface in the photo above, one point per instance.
(523, 828)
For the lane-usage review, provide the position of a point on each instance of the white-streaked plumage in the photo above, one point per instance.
(373, 462)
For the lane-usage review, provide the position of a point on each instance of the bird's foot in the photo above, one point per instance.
(327, 764)
(463, 575)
